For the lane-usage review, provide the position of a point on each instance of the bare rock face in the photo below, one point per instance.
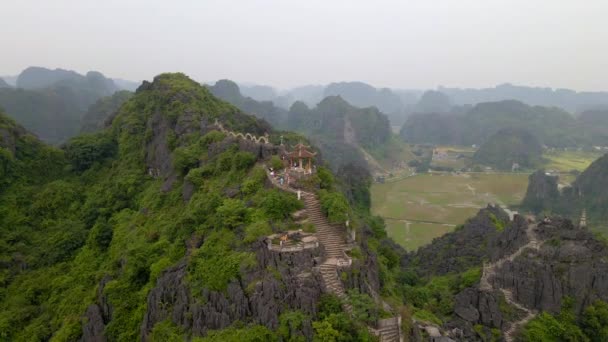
(570, 262)
(542, 190)
(93, 325)
(363, 274)
(259, 296)
(170, 298)
(467, 246)
(477, 306)
(97, 316)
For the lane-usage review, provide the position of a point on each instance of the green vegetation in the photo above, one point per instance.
(254, 333)
(566, 326)
(420, 208)
(499, 224)
(433, 299)
(334, 205)
(493, 335)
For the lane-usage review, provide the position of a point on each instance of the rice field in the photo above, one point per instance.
(419, 208)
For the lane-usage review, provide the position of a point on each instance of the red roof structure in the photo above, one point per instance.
(299, 155)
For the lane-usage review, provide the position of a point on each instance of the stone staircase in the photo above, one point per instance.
(331, 236)
(489, 271)
(333, 239)
(510, 333)
(334, 285)
(389, 330)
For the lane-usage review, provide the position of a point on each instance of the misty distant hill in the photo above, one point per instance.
(11, 80)
(433, 101)
(100, 113)
(364, 95)
(595, 125)
(258, 92)
(3, 84)
(229, 91)
(51, 103)
(38, 77)
(552, 126)
(126, 84)
(510, 146)
(567, 99)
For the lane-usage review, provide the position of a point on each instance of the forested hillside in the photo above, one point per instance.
(153, 230)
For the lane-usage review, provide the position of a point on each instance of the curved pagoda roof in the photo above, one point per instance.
(301, 151)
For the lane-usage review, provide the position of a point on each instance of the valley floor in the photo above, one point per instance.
(422, 207)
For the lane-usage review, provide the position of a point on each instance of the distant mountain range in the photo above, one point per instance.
(398, 104)
(52, 103)
(553, 126)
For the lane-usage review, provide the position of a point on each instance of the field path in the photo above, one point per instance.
(472, 189)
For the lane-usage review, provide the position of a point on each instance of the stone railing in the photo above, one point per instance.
(290, 248)
(247, 136)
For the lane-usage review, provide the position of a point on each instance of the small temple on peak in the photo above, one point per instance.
(301, 157)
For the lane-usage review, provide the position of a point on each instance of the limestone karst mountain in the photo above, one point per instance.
(510, 149)
(161, 227)
(586, 193)
(492, 276)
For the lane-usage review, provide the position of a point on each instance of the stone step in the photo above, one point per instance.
(391, 336)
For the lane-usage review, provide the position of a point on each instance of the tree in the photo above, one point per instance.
(595, 321)
(84, 150)
(278, 205)
(231, 213)
(325, 332)
(334, 205)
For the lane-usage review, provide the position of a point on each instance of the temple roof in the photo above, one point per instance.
(301, 151)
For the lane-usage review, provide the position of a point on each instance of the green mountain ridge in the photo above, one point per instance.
(152, 230)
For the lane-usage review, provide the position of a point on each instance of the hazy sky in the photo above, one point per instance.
(401, 44)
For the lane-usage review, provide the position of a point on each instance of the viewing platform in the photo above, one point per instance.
(291, 241)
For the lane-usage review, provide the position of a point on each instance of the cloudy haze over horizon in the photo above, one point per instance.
(397, 44)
